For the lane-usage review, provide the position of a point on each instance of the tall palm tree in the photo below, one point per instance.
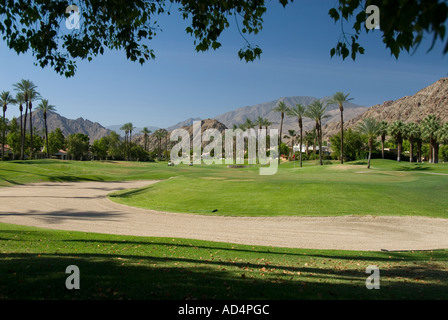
(28, 89)
(383, 131)
(316, 111)
(340, 98)
(310, 138)
(125, 128)
(266, 123)
(131, 128)
(20, 98)
(397, 129)
(412, 133)
(370, 127)
(430, 125)
(33, 96)
(291, 135)
(5, 100)
(298, 112)
(159, 135)
(442, 133)
(260, 122)
(146, 132)
(44, 106)
(282, 108)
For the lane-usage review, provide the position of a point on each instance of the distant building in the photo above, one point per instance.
(61, 154)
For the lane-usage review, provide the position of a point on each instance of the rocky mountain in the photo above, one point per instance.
(430, 100)
(68, 126)
(186, 123)
(265, 110)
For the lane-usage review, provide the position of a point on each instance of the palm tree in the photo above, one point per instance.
(32, 96)
(146, 132)
(159, 135)
(292, 134)
(20, 101)
(266, 124)
(125, 128)
(28, 89)
(430, 125)
(44, 106)
(310, 138)
(298, 112)
(383, 133)
(282, 108)
(397, 129)
(316, 111)
(413, 133)
(5, 100)
(259, 122)
(370, 127)
(442, 133)
(340, 98)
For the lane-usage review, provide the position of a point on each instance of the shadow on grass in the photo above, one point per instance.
(130, 193)
(414, 167)
(440, 255)
(42, 276)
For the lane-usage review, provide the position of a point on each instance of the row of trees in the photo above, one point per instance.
(24, 142)
(430, 130)
(26, 95)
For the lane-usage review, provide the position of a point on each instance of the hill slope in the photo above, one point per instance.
(68, 126)
(430, 100)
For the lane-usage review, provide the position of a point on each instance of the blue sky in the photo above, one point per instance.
(182, 83)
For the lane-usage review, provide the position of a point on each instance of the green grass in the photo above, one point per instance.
(33, 263)
(22, 172)
(389, 188)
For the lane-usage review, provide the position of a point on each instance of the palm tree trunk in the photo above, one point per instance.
(22, 157)
(399, 150)
(3, 135)
(436, 152)
(280, 137)
(46, 136)
(301, 141)
(370, 153)
(419, 151)
(31, 134)
(431, 151)
(383, 139)
(342, 134)
(21, 131)
(411, 150)
(319, 139)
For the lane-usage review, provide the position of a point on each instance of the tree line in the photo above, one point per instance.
(422, 140)
(25, 143)
(427, 135)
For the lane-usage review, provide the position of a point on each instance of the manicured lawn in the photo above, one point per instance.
(389, 188)
(21, 172)
(33, 263)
